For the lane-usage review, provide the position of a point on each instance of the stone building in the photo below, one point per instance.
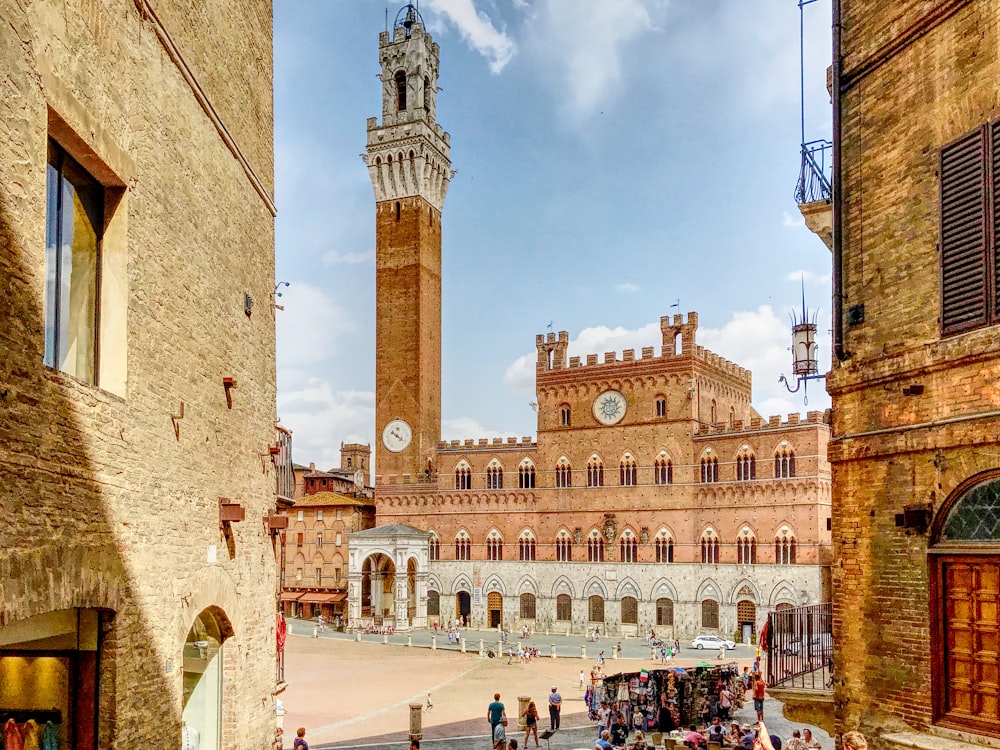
(914, 443)
(654, 494)
(137, 376)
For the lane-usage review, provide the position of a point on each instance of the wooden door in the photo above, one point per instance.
(970, 589)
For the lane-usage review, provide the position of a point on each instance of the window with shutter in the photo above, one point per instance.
(969, 216)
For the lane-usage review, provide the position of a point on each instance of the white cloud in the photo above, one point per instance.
(787, 220)
(333, 257)
(584, 41)
(757, 340)
(478, 31)
(810, 277)
(627, 287)
(320, 417)
(309, 326)
(463, 428)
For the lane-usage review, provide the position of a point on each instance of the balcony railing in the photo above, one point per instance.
(800, 647)
(814, 183)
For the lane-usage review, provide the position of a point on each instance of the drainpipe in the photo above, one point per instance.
(838, 250)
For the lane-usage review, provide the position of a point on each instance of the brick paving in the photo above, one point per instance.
(353, 695)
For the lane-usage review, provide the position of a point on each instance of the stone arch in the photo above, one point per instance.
(527, 585)
(494, 583)
(213, 589)
(709, 589)
(434, 584)
(461, 583)
(663, 588)
(782, 593)
(737, 592)
(628, 587)
(563, 585)
(595, 587)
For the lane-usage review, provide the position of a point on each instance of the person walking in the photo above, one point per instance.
(581, 679)
(531, 723)
(300, 740)
(495, 713)
(500, 735)
(430, 702)
(555, 706)
(758, 696)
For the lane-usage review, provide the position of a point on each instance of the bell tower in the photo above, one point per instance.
(408, 158)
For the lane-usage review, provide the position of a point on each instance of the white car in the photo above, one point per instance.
(711, 641)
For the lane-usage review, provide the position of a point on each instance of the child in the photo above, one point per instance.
(430, 702)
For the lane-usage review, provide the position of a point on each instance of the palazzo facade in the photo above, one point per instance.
(654, 494)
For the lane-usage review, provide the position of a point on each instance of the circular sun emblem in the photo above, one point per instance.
(609, 407)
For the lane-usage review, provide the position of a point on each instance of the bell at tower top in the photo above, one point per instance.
(409, 59)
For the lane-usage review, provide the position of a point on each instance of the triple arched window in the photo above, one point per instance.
(595, 547)
(784, 548)
(463, 476)
(463, 546)
(709, 547)
(494, 476)
(784, 463)
(663, 470)
(709, 469)
(564, 547)
(526, 475)
(434, 548)
(664, 547)
(526, 546)
(595, 472)
(628, 472)
(629, 546)
(564, 473)
(746, 548)
(494, 546)
(746, 467)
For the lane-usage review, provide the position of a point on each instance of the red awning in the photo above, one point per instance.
(290, 596)
(339, 597)
(316, 597)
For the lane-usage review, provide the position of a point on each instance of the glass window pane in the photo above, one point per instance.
(975, 516)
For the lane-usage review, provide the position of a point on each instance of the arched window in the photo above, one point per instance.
(595, 472)
(526, 546)
(784, 463)
(709, 469)
(527, 606)
(663, 470)
(746, 547)
(433, 603)
(463, 546)
(784, 547)
(661, 406)
(564, 608)
(595, 547)
(712, 413)
(746, 467)
(664, 611)
(463, 476)
(664, 547)
(595, 609)
(494, 546)
(494, 476)
(526, 475)
(564, 473)
(628, 472)
(628, 545)
(400, 90)
(710, 547)
(630, 610)
(564, 547)
(564, 415)
(710, 614)
(434, 548)
(348, 462)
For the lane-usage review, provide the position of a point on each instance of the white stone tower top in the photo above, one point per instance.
(408, 154)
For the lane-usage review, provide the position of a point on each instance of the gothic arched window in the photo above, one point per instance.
(784, 463)
(564, 547)
(400, 90)
(628, 472)
(629, 545)
(595, 547)
(595, 472)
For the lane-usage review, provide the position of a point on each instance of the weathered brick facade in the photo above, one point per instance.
(914, 410)
(110, 493)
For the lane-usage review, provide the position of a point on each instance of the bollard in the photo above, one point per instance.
(614, 653)
(499, 648)
(385, 638)
(434, 643)
(522, 707)
(583, 652)
(409, 639)
(518, 647)
(461, 645)
(357, 636)
(416, 719)
(481, 652)
(552, 647)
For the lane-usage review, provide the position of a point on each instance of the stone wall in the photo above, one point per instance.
(103, 504)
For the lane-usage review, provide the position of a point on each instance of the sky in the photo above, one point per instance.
(617, 161)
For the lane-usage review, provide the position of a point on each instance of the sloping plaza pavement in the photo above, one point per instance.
(351, 694)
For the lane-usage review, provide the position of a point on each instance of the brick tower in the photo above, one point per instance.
(408, 158)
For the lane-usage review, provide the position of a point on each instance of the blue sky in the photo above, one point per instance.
(614, 157)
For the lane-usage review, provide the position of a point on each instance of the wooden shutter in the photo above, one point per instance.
(993, 227)
(963, 234)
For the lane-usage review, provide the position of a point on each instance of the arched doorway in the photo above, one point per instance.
(203, 670)
(377, 576)
(965, 607)
(494, 609)
(463, 605)
(746, 619)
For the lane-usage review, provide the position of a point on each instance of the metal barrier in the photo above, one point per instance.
(800, 647)
(814, 184)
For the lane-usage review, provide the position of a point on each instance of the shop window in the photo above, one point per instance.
(664, 611)
(564, 608)
(710, 614)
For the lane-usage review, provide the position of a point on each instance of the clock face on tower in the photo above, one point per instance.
(397, 436)
(609, 407)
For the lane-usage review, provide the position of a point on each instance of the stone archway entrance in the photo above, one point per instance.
(463, 605)
(746, 619)
(378, 573)
(387, 576)
(203, 673)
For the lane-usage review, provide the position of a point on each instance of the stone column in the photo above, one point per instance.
(583, 652)
(416, 721)
(552, 646)
(522, 706)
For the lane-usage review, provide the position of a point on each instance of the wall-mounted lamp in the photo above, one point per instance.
(805, 365)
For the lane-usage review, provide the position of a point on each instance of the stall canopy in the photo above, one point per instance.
(290, 596)
(316, 597)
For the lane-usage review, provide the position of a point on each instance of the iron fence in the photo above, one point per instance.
(800, 647)
(814, 182)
